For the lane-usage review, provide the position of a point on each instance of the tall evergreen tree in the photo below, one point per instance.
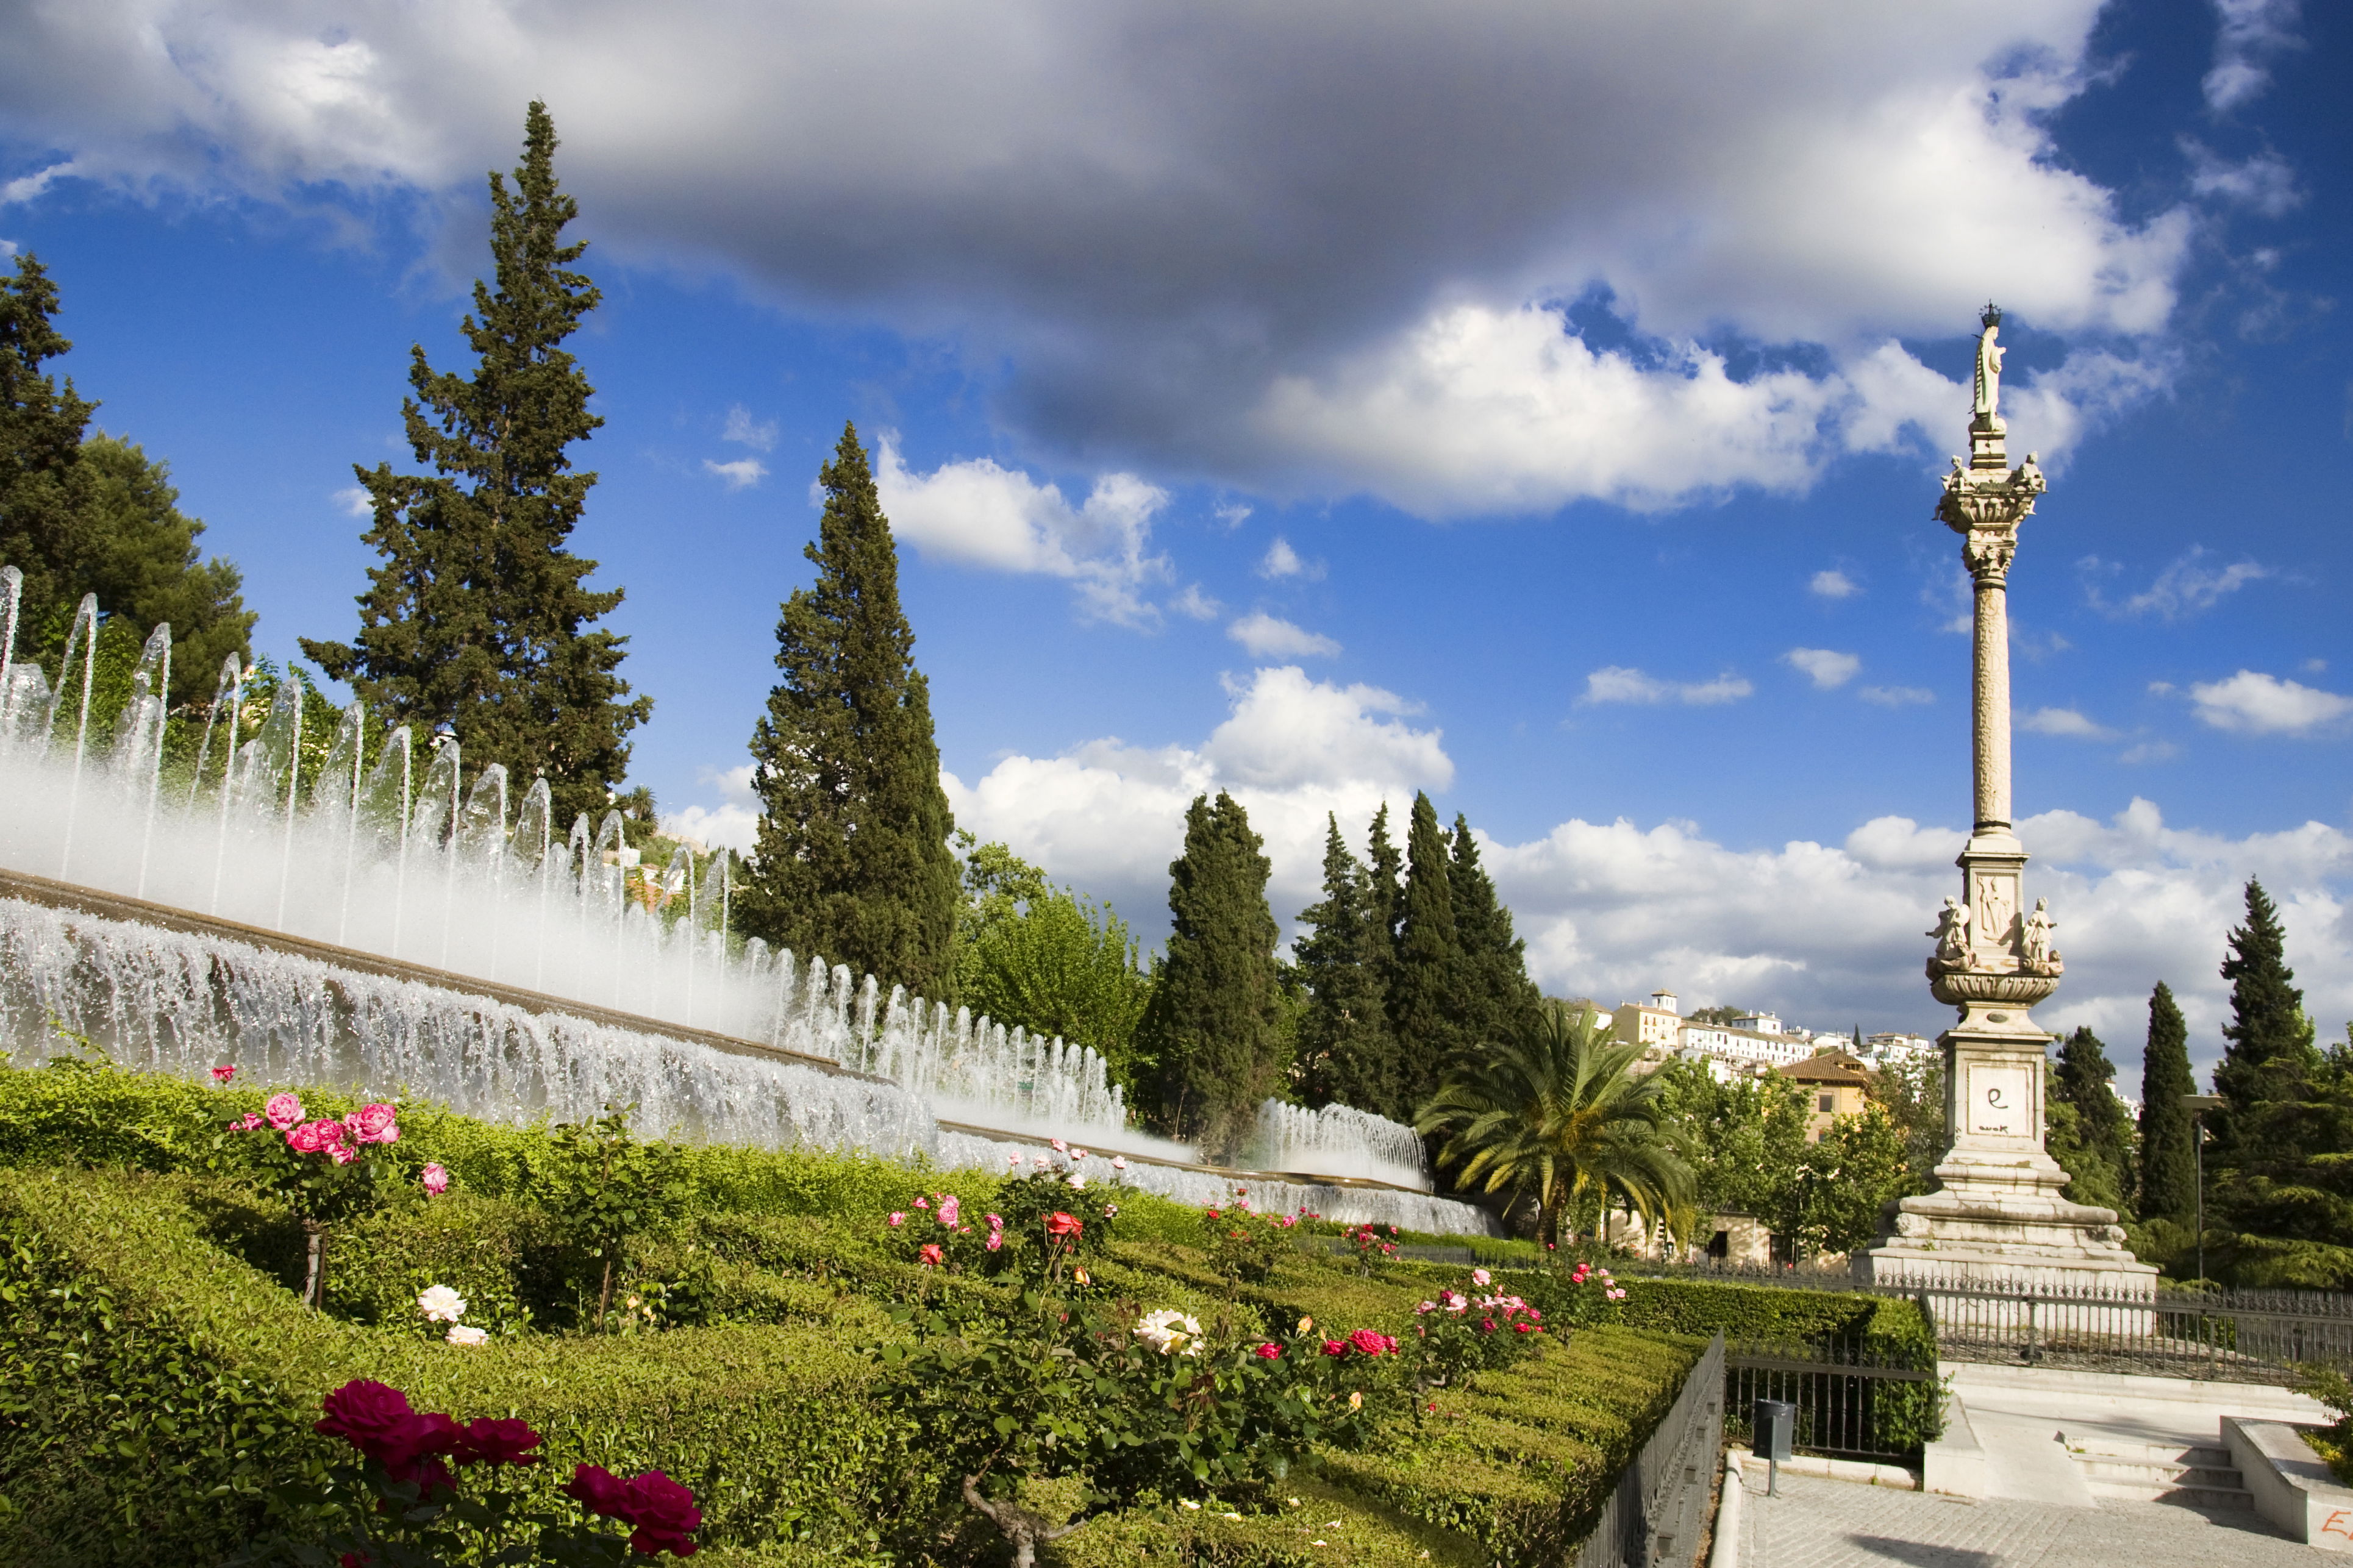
(2102, 1130)
(853, 859)
(94, 514)
(1426, 991)
(2270, 1061)
(1383, 899)
(2168, 1166)
(1346, 1053)
(479, 615)
(1212, 1029)
(1498, 1001)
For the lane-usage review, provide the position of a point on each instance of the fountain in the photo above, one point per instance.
(1337, 1141)
(395, 922)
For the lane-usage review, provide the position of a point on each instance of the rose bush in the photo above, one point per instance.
(1244, 1245)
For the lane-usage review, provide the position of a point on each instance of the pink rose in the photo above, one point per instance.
(375, 1124)
(1335, 1347)
(922, 1203)
(996, 1240)
(222, 1073)
(996, 1222)
(283, 1112)
(1119, 1162)
(308, 1139)
(245, 1123)
(436, 1179)
(950, 1207)
(341, 1155)
(1269, 1352)
(1371, 1344)
(1060, 1147)
(898, 1218)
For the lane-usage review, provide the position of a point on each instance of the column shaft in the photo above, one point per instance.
(1989, 680)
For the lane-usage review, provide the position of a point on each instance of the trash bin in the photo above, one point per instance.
(1771, 1429)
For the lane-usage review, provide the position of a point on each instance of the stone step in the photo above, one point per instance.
(2126, 1474)
(2198, 1474)
(2190, 1496)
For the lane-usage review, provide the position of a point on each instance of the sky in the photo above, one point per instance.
(1537, 405)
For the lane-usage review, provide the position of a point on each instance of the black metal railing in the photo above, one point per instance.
(1851, 1404)
(1656, 1515)
(2244, 1336)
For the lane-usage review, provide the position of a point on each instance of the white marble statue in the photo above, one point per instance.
(1988, 379)
(2035, 946)
(1952, 933)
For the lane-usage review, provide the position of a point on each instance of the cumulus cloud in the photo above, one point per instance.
(1110, 816)
(1196, 605)
(760, 434)
(1897, 696)
(2184, 588)
(2253, 703)
(732, 823)
(741, 474)
(1826, 670)
(1617, 683)
(1267, 636)
(2253, 32)
(2066, 721)
(1158, 219)
(1832, 584)
(979, 514)
(354, 501)
(1282, 560)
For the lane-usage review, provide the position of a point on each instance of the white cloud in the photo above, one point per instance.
(355, 501)
(1194, 604)
(1897, 696)
(2184, 588)
(1615, 683)
(1832, 584)
(30, 188)
(1173, 252)
(2252, 33)
(1283, 561)
(979, 514)
(1232, 513)
(1828, 670)
(2149, 751)
(1267, 636)
(2065, 722)
(1110, 816)
(2263, 182)
(2253, 703)
(741, 474)
(1825, 934)
(743, 429)
(734, 822)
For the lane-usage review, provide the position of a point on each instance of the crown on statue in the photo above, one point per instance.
(1991, 315)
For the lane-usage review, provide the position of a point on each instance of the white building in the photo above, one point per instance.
(1755, 1047)
(1895, 1049)
(1646, 1024)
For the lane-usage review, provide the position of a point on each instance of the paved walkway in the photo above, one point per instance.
(1842, 1524)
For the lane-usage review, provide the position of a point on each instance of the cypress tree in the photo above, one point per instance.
(2103, 1128)
(1498, 1004)
(478, 617)
(1384, 898)
(2270, 1061)
(1212, 1029)
(853, 859)
(1425, 989)
(1346, 1053)
(94, 514)
(2168, 1167)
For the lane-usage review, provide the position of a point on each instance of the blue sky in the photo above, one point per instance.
(1537, 405)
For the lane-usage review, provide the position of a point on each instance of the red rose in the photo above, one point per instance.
(1269, 1352)
(931, 1256)
(409, 1450)
(365, 1413)
(601, 1490)
(489, 1442)
(1372, 1343)
(1061, 1223)
(664, 1514)
(1335, 1347)
(375, 1124)
(1487, 1325)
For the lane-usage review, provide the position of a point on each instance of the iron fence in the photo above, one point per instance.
(2244, 1336)
(1658, 1511)
(1851, 1404)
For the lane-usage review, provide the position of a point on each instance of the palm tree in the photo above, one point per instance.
(1559, 1112)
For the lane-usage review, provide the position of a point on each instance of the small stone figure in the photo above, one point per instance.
(1952, 934)
(1988, 376)
(2034, 945)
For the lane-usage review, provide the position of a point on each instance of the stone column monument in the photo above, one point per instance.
(1997, 1215)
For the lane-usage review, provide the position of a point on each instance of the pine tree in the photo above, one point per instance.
(2103, 1128)
(1346, 1053)
(94, 514)
(853, 859)
(478, 616)
(1498, 1002)
(2270, 1061)
(2168, 1166)
(1426, 991)
(1211, 1030)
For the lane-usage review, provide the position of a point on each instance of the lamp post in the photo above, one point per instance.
(2199, 1104)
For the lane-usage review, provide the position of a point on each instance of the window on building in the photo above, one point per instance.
(1828, 1102)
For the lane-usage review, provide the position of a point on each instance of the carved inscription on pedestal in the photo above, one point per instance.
(2001, 1100)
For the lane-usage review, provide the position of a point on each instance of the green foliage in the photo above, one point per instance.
(2168, 1161)
(2271, 1060)
(853, 859)
(479, 615)
(1426, 986)
(600, 1186)
(1212, 1029)
(2103, 1165)
(1744, 1140)
(1499, 1003)
(1032, 954)
(1913, 1095)
(1840, 1184)
(1346, 1053)
(1244, 1246)
(1558, 1115)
